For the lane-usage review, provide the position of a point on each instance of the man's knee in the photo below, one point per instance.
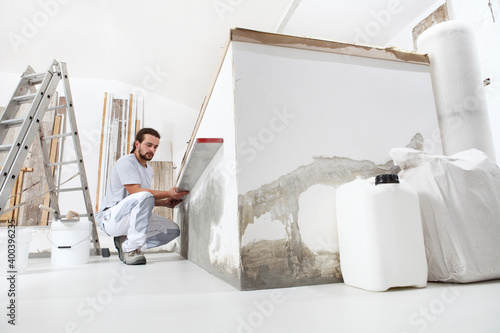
(174, 232)
(144, 198)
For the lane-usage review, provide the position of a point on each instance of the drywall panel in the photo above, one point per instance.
(208, 215)
(306, 122)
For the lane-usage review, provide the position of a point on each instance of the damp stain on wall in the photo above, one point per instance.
(200, 215)
(288, 262)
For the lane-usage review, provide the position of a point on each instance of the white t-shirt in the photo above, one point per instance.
(126, 171)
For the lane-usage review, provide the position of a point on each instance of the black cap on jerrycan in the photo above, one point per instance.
(390, 178)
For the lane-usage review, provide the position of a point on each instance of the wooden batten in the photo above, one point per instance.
(203, 108)
(358, 50)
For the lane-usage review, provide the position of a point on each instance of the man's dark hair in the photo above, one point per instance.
(140, 136)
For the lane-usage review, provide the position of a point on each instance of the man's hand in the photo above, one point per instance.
(171, 203)
(177, 195)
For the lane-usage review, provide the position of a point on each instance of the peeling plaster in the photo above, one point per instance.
(263, 228)
(289, 262)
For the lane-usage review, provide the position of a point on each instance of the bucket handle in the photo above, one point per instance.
(67, 246)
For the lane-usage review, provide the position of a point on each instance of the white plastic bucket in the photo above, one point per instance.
(18, 251)
(70, 242)
(23, 244)
(381, 241)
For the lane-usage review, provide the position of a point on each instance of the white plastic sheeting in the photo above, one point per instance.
(460, 208)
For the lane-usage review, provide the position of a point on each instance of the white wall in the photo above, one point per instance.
(175, 122)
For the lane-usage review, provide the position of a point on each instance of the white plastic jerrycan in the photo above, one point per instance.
(381, 241)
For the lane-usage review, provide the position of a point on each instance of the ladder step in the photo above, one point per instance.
(57, 107)
(35, 81)
(35, 78)
(62, 163)
(13, 122)
(50, 137)
(5, 147)
(24, 98)
(33, 75)
(72, 189)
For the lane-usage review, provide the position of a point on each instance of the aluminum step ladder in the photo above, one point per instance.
(37, 89)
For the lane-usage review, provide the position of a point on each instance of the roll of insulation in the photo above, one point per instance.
(458, 88)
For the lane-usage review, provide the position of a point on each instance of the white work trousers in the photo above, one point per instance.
(133, 217)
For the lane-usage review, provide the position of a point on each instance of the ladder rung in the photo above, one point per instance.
(57, 107)
(24, 98)
(13, 122)
(5, 147)
(72, 189)
(35, 81)
(62, 163)
(50, 137)
(29, 76)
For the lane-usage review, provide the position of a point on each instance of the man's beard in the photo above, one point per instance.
(145, 157)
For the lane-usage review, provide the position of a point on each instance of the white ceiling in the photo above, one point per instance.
(179, 40)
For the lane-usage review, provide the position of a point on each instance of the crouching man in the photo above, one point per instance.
(126, 212)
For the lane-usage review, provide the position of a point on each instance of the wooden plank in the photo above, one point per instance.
(123, 128)
(137, 128)
(134, 103)
(100, 151)
(129, 122)
(117, 128)
(106, 152)
(19, 189)
(162, 180)
(440, 15)
(202, 153)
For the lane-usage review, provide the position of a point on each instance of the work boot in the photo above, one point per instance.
(135, 257)
(118, 244)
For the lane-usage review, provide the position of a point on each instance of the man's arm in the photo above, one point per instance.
(159, 195)
(170, 203)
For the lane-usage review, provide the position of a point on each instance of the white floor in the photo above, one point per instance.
(171, 294)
